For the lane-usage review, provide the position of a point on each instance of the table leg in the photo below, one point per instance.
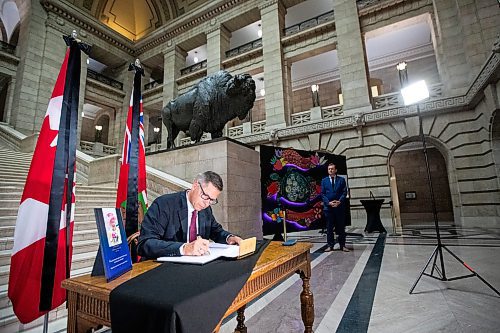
(306, 303)
(72, 303)
(241, 328)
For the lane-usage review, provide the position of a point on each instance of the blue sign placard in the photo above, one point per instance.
(113, 242)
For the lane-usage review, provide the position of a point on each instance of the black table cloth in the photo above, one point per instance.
(180, 297)
(373, 222)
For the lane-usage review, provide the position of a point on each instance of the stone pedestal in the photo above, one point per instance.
(239, 207)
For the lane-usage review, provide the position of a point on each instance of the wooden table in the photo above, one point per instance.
(88, 297)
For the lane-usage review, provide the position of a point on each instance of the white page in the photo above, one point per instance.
(229, 251)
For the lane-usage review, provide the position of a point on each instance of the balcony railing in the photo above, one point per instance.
(301, 117)
(329, 112)
(187, 140)
(104, 79)
(194, 68)
(395, 98)
(244, 48)
(96, 148)
(366, 3)
(153, 84)
(6, 47)
(235, 131)
(326, 17)
(259, 126)
(247, 128)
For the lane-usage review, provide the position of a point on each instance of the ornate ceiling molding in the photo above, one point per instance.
(176, 28)
(88, 24)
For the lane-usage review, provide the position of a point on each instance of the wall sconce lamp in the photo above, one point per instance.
(259, 32)
(98, 131)
(157, 134)
(315, 94)
(403, 74)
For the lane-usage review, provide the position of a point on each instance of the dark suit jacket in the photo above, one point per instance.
(165, 227)
(329, 193)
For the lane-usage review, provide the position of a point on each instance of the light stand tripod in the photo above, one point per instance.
(438, 250)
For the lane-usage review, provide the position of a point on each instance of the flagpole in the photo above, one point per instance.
(46, 323)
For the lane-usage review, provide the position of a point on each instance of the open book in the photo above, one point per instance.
(217, 250)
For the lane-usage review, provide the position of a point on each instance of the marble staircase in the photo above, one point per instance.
(13, 171)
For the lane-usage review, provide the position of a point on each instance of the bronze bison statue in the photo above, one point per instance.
(209, 105)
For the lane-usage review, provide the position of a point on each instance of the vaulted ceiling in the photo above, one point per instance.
(135, 19)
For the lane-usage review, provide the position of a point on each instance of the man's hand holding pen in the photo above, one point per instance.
(198, 247)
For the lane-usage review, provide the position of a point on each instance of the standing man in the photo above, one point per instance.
(333, 193)
(182, 223)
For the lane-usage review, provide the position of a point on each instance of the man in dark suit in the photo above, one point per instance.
(333, 193)
(182, 223)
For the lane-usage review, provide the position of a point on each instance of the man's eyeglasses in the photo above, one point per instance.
(205, 196)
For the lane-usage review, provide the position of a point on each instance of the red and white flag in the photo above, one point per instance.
(121, 194)
(41, 256)
(132, 192)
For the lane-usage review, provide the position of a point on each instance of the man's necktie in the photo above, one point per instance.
(333, 181)
(192, 227)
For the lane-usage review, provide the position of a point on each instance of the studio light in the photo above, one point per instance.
(415, 92)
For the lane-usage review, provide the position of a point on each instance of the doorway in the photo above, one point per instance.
(410, 174)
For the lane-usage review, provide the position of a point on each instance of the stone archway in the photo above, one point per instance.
(409, 174)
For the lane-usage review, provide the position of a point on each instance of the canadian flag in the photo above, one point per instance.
(41, 256)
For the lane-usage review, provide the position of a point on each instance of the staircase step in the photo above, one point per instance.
(6, 243)
(8, 231)
(79, 261)
(58, 319)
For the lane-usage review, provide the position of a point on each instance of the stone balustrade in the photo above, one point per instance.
(96, 149)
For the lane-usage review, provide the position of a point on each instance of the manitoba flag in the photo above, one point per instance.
(41, 256)
(131, 194)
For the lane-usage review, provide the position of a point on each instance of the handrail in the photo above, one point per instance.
(320, 19)
(9, 48)
(153, 84)
(104, 79)
(194, 68)
(244, 48)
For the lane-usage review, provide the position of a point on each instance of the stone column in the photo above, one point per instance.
(287, 88)
(122, 113)
(145, 120)
(352, 58)
(174, 59)
(455, 72)
(477, 47)
(275, 72)
(81, 101)
(217, 45)
(10, 99)
(53, 55)
(28, 76)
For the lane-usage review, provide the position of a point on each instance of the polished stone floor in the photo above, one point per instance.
(366, 290)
